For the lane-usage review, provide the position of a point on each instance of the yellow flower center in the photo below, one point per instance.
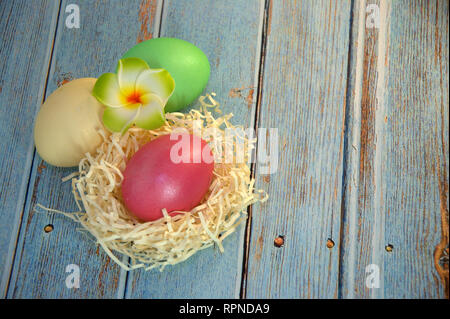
(134, 97)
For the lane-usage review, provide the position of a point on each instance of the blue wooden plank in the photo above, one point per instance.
(27, 29)
(230, 37)
(105, 33)
(304, 91)
(396, 189)
(416, 182)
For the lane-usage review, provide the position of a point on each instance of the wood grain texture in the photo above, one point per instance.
(359, 147)
(396, 189)
(106, 32)
(230, 37)
(362, 118)
(26, 30)
(304, 87)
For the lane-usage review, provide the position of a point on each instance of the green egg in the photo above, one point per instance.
(186, 63)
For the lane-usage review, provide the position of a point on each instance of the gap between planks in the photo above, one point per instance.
(356, 133)
(353, 107)
(264, 21)
(353, 145)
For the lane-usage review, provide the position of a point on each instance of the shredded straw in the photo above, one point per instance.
(171, 239)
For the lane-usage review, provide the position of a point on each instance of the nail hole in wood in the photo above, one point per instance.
(279, 241)
(389, 248)
(48, 228)
(330, 243)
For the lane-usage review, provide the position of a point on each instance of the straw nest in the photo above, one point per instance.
(169, 240)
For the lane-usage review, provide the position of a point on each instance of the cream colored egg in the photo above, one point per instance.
(67, 124)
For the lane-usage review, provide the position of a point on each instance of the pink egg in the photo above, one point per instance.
(174, 174)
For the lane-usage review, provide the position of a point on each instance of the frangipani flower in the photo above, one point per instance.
(135, 95)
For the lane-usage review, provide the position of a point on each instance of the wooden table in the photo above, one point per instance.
(358, 91)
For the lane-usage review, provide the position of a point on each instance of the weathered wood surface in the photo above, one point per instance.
(362, 118)
(27, 32)
(303, 95)
(397, 151)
